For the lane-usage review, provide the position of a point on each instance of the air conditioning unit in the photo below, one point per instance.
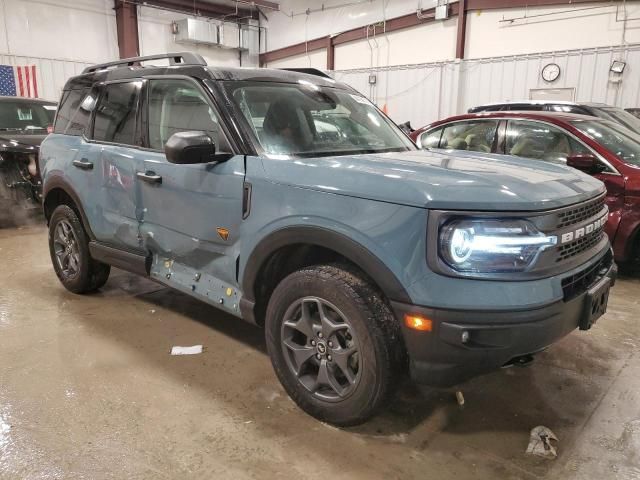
(217, 34)
(442, 12)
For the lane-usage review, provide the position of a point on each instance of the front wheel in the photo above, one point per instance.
(333, 344)
(69, 249)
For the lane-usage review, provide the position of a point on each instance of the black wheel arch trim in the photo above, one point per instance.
(383, 277)
(59, 182)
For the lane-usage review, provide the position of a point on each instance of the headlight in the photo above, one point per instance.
(492, 246)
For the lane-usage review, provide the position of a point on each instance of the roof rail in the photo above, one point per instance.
(311, 71)
(179, 58)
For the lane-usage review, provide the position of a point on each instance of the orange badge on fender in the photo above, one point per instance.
(223, 232)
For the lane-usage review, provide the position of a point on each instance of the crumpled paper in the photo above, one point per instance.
(540, 442)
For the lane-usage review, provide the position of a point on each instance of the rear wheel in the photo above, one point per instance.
(69, 249)
(332, 343)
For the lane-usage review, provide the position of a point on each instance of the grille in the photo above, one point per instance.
(581, 213)
(577, 284)
(578, 246)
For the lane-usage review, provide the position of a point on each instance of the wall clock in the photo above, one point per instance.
(551, 72)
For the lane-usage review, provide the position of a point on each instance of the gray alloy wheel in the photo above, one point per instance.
(65, 246)
(321, 349)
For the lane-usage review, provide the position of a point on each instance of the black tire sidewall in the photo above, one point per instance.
(81, 282)
(374, 361)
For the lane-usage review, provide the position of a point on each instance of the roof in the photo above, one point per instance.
(27, 100)
(544, 102)
(554, 117)
(203, 72)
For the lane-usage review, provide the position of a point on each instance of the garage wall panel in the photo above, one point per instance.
(315, 59)
(427, 92)
(82, 30)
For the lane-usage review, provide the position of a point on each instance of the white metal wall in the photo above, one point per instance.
(428, 92)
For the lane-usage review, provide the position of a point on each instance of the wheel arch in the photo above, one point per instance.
(58, 191)
(328, 242)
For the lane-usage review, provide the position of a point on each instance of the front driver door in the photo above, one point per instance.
(191, 214)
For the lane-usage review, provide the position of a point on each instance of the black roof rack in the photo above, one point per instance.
(310, 71)
(180, 58)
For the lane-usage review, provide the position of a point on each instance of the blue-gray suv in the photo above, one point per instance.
(287, 199)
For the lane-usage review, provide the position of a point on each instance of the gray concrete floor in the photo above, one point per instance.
(88, 390)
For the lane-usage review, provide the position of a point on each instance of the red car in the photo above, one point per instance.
(596, 146)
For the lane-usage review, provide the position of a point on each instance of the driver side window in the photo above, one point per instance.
(178, 106)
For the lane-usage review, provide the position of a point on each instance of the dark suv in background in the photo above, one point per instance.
(24, 123)
(601, 110)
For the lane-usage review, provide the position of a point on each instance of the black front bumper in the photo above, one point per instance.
(447, 355)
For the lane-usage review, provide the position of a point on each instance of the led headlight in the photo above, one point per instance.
(492, 246)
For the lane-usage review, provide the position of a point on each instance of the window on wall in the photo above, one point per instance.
(473, 135)
(178, 106)
(116, 113)
(541, 141)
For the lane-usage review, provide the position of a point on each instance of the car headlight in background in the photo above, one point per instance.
(492, 246)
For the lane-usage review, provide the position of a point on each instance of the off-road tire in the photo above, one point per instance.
(370, 319)
(90, 274)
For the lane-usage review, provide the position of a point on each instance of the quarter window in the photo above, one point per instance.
(178, 106)
(475, 136)
(116, 113)
(431, 139)
(540, 141)
(74, 112)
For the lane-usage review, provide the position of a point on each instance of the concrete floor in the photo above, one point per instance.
(88, 390)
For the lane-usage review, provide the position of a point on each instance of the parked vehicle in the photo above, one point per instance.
(290, 201)
(601, 110)
(633, 111)
(602, 148)
(23, 126)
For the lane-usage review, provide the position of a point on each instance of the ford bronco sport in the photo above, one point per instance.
(287, 199)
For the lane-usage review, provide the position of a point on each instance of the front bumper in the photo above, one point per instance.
(441, 358)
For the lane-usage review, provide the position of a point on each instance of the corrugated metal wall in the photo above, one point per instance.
(51, 74)
(428, 92)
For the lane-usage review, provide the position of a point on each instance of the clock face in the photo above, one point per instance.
(551, 72)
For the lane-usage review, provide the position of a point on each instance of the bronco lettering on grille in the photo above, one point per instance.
(582, 231)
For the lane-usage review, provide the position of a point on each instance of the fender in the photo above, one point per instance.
(322, 237)
(58, 181)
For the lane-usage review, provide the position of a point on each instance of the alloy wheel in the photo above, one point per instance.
(65, 246)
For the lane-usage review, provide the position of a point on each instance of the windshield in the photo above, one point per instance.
(623, 143)
(308, 120)
(21, 115)
(618, 115)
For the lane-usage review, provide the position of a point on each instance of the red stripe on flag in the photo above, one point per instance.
(26, 74)
(20, 83)
(35, 82)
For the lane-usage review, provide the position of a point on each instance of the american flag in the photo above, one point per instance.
(19, 80)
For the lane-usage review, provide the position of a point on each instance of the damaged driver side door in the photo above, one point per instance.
(191, 213)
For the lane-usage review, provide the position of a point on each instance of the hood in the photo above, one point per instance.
(23, 143)
(456, 181)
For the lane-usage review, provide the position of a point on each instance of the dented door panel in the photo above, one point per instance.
(181, 215)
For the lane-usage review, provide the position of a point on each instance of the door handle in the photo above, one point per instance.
(149, 177)
(84, 164)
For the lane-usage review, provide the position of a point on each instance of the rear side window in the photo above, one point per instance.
(474, 135)
(116, 113)
(74, 112)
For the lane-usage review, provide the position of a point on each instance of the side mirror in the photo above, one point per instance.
(585, 162)
(190, 147)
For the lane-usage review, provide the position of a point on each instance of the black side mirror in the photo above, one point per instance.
(190, 147)
(586, 162)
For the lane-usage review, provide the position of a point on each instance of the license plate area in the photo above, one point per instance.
(595, 303)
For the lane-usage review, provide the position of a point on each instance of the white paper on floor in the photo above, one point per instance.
(194, 350)
(540, 442)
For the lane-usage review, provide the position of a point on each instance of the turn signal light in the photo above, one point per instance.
(418, 322)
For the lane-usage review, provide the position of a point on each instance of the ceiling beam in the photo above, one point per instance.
(199, 7)
(462, 28)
